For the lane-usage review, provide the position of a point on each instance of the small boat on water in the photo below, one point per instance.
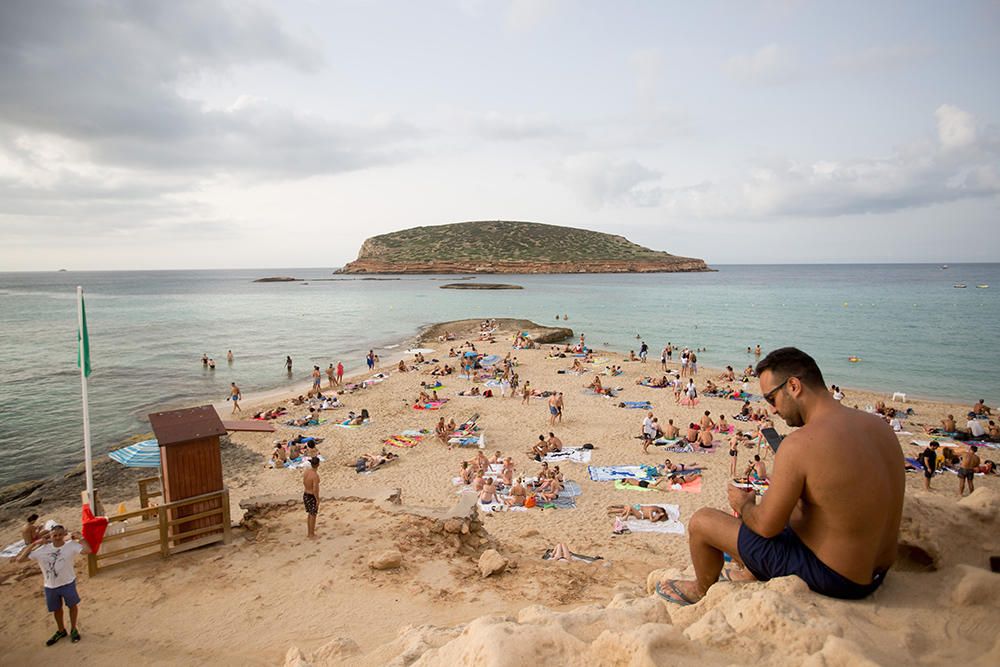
(944, 266)
(959, 285)
(982, 286)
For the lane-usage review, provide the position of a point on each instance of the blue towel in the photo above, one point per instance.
(611, 473)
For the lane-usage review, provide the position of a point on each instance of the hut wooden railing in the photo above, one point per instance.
(165, 535)
(145, 494)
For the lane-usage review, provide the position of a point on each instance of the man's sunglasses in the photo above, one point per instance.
(769, 396)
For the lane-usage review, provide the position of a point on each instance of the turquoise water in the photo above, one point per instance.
(912, 329)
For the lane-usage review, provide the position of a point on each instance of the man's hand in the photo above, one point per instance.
(738, 497)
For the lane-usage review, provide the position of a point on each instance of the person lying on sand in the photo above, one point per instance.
(825, 519)
(652, 513)
(368, 462)
(357, 419)
(470, 392)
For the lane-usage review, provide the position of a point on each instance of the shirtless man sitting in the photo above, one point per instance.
(981, 408)
(705, 439)
(554, 443)
(540, 449)
(706, 422)
(829, 521)
(671, 431)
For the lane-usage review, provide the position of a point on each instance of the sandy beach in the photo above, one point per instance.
(272, 596)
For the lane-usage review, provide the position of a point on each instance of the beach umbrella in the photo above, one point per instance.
(145, 454)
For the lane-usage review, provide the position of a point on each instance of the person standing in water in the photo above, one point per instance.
(229, 357)
(288, 364)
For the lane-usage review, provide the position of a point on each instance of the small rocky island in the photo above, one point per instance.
(278, 279)
(480, 286)
(500, 246)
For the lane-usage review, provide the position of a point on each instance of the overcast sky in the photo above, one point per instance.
(215, 134)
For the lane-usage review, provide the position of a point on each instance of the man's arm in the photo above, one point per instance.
(771, 515)
(84, 544)
(23, 555)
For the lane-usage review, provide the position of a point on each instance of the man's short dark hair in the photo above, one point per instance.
(792, 362)
(32, 517)
(314, 461)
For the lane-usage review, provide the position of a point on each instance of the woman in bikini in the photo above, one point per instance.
(651, 513)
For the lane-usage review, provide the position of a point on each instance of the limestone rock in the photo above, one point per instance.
(336, 650)
(387, 560)
(454, 526)
(491, 562)
(295, 658)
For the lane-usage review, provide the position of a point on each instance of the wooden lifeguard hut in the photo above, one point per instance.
(191, 466)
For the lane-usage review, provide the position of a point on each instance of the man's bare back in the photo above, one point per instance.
(848, 515)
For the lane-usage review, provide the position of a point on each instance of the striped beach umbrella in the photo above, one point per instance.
(145, 454)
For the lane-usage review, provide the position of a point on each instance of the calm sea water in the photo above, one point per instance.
(148, 330)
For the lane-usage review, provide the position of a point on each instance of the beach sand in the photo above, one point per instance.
(272, 596)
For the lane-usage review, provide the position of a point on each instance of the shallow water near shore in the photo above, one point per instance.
(911, 329)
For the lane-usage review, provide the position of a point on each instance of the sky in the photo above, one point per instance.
(175, 135)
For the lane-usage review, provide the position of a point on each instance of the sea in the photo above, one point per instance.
(908, 325)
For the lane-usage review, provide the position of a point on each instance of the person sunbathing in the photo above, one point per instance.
(402, 366)
(497, 458)
(706, 423)
(554, 443)
(507, 475)
(692, 433)
(310, 450)
(668, 467)
(451, 425)
(651, 513)
(305, 420)
(481, 463)
(705, 439)
(422, 398)
(294, 450)
(488, 494)
(549, 488)
(375, 461)
(470, 392)
(728, 375)
(722, 426)
(466, 473)
(357, 419)
(596, 385)
(577, 366)
(279, 456)
(987, 468)
(710, 387)
(993, 431)
(518, 494)
(437, 371)
(981, 408)
(540, 448)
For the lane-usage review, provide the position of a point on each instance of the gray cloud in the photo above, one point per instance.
(598, 179)
(109, 76)
(960, 165)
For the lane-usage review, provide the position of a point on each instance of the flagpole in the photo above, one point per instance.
(83, 390)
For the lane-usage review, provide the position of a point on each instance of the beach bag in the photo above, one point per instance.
(530, 501)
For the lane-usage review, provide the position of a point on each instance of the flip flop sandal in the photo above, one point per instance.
(56, 637)
(680, 598)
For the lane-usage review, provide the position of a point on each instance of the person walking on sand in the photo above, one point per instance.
(340, 373)
(967, 470)
(235, 396)
(825, 519)
(288, 364)
(55, 555)
(553, 409)
(310, 496)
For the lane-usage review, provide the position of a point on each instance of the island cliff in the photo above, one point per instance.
(511, 247)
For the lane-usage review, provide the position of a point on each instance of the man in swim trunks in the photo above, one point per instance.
(310, 496)
(234, 396)
(967, 470)
(553, 409)
(832, 523)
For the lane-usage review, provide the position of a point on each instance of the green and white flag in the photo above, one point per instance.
(83, 342)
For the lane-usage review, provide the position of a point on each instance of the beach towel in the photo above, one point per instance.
(403, 440)
(347, 423)
(469, 441)
(941, 443)
(666, 442)
(611, 473)
(591, 392)
(584, 559)
(563, 502)
(12, 550)
(414, 431)
(314, 422)
(671, 526)
(729, 429)
(636, 405)
(300, 462)
(433, 405)
(574, 454)
(694, 486)
(430, 387)
(984, 443)
(679, 447)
